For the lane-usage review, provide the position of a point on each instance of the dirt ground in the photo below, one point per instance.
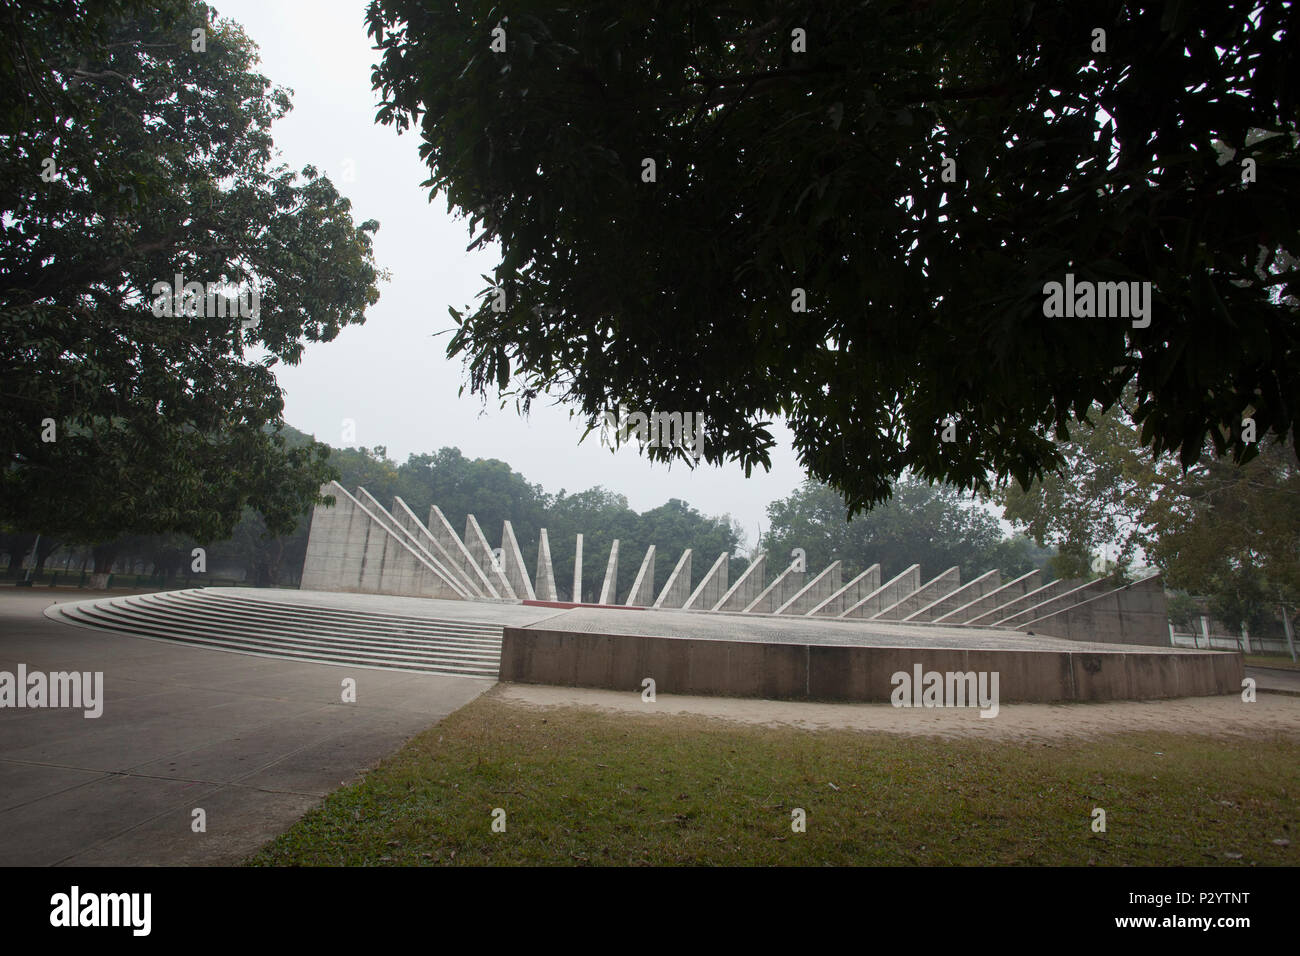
(1228, 715)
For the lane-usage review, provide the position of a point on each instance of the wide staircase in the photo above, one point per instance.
(207, 617)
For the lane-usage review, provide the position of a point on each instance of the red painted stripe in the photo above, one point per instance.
(568, 604)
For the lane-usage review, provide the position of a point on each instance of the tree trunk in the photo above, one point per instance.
(19, 545)
(277, 555)
(46, 547)
(105, 555)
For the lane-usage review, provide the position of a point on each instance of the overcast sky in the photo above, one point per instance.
(391, 376)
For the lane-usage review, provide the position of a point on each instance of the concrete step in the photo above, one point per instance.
(115, 619)
(289, 623)
(378, 621)
(188, 620)
(97, 618)
(194, 622)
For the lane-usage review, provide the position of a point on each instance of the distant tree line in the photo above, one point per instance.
(935, 526)
(487, 488)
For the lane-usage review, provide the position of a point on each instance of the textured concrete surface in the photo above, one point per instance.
(1134, 614)
(354, 546)
(253, 742)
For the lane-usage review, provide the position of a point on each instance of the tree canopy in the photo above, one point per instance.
(1228, 532)
(915, 172)
(933, 526)
(138, 149)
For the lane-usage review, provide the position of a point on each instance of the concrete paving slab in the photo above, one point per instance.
(236, 818)
(254, 741)
(51, 829)
(22, 783)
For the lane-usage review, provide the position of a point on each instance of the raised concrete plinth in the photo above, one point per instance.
(802, 658)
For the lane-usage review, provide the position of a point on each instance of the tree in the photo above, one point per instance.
(1095, 503)
(1233, 534)
(1226, 531)
(847, 215)
(140, 149)
(934, 527)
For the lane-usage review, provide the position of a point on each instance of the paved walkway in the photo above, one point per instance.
(1278, 679)
(252, 741)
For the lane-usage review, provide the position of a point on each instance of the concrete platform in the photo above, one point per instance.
(818, 659)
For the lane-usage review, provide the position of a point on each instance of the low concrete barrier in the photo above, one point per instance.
(535, 655)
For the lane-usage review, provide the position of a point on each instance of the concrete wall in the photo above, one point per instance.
(350, 549)
(1134, 614)
(837, 672)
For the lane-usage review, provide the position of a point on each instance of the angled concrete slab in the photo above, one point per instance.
(938, 586)
(847, 596)
(513, 560)
(747, 587)
(678, 586)
(483, 556)
(711, 587)
(643, 592)
(442, 531)
(993, 599)
(985, 583)
(1060, 602)
(1134, 614)
(905, 582)
(404, 516)
(611, 575)
(545, 571)
(783, 587)
(1027, 600)
(351, 549)
(814, 593)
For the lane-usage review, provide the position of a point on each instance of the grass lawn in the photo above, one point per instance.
(585, 787)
